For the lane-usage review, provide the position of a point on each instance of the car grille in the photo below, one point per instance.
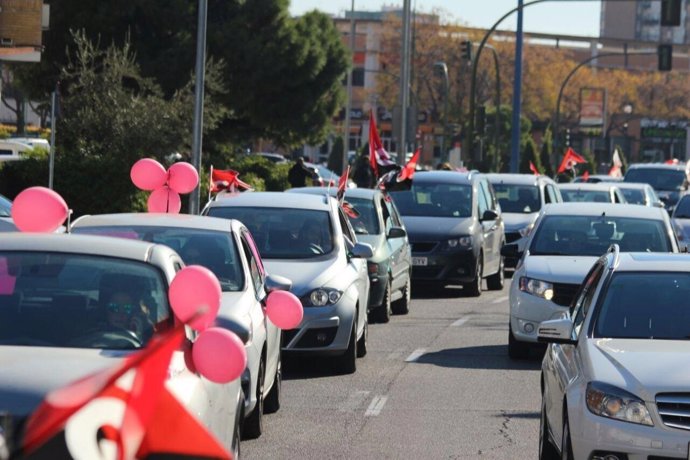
(674, 409)
(563, 293)
(423, 246)
(512, 236)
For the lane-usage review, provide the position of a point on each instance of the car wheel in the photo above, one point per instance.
(348, 362)
(516, 349)
(567, 446)
(474, 288)
(362, 342)
(383, 313)
(253, 425)
(402, 305)
(547, 451)
(272, 401)
(495, 282)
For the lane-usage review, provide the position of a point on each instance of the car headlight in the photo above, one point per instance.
(526, 230)
(542, 289)
(612, 402)
(324, 296)
(462, 242)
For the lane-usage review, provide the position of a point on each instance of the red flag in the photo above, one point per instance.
(585, 176)
(672, 161)
(570, 159)
(342, 184)
(377, 154)
(349, 210)
(122, 409)
(226, 179)
(533, 168)
(409, 169)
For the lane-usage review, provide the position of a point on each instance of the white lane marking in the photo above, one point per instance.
(461, 321)
(414, 356)
(500, 299)
(353, 401)
(376, 406)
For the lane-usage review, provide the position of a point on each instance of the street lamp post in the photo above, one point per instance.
(198, 102)
(443, 69)
(348, 105)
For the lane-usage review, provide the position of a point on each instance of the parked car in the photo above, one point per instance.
(379, 224)
(603, 192)
(614, 377)
(596, 178)
(11, 150)
(227, 249)
(6, 222)
(61, 303)
(308, 239)
(669, 181)
(521, 197)
(566, 240)
(639, 193)
(455, 227)
(681, 221)
(276, 158)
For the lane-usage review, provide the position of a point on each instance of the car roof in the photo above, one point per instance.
(632, 185)
(350, 192)
(121, 248)
(652, 261)
(444, 177)
(609, 209)
(676, 167)
(601, 186)
(157, 220)
(273, 200)
(518, 179)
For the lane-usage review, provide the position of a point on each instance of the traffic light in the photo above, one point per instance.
(665, 55)
(670, 12)
(466, 50)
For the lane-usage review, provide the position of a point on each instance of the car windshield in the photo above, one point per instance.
(435, 200)
(659, 179)
(599, 196)
(216, 251)
(518, 198)
(368, 221)
(5, 207)
(283, 233)
(634, 196)
(682, 210)
(80, 301)
(592, 235)
(645, 305)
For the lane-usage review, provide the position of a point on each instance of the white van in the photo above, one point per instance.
(11, 150)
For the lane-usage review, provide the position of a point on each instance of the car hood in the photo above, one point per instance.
(305, 275)
(642, 366)
(558, 269)
(436, 228)
(515, 221)
(29, 373)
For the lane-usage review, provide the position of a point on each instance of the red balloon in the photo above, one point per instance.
(284, 309)
(164, 200)
(219, 355)
(148, 174)
(182, 177)
(39, 209)
(193, 289)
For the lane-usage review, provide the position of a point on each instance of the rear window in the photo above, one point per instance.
(634, 196)
(586, 196)
(435, 200)
(659, 179)
(518, 198)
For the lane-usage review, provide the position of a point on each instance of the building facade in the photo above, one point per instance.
(641, 21)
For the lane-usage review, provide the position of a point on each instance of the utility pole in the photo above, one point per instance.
(443, 70)
(517, 96)
(198, 102)
(348, 105)
(404, 82)
(51, 163)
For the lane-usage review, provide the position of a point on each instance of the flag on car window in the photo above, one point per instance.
(378, 157)
(342, 184)
(570, 159)
(533, 168)
(226, 179)
(616, 165)
(409, 168)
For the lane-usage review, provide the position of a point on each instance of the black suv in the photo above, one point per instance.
(669, 181)
(455, 228)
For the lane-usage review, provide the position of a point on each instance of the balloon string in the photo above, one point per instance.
(167, 202)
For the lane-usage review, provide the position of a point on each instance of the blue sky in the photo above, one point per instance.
(559, 17)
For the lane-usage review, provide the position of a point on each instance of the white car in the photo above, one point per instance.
(601, 192)
(615, 380)
(566, 241)
(62, 298)
(309, 239)
(227, 249)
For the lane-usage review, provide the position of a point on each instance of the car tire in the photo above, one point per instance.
(253, 425)
(516, 349)
(362, 342)
(272, 400)
(495, 282)
(382, 314)
(474, 288)
(567, 446)
(547, 451)
(402, 305)
(348, 361)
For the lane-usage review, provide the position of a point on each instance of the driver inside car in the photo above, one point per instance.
(125, 312)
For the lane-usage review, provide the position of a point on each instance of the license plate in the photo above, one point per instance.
(419, 261)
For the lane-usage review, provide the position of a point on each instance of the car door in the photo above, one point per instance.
(493, 229)
(394, 244)
(359, 266)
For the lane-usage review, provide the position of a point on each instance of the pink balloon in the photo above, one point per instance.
(148, 174)
(195, 288)
(219, 355)
(284, 309)
(164, 200)
(182, 177)
(39, 209)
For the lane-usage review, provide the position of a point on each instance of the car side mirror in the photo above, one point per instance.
(556, 331)
(277, 283)
(658, 204)
(511, 250)
(362, 251)
(489, 215)
(397, 232)
(241, 330)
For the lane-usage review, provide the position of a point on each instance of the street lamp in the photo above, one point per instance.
(442, 68)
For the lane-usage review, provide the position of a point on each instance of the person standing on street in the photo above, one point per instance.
(299, 174)
(363, 175)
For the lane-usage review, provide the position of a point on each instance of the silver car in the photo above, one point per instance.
(309, 239)
(227, 249)
(601, 192)
(72, 305)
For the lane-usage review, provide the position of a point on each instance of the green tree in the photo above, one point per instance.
(547, 152)
(529, 155)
